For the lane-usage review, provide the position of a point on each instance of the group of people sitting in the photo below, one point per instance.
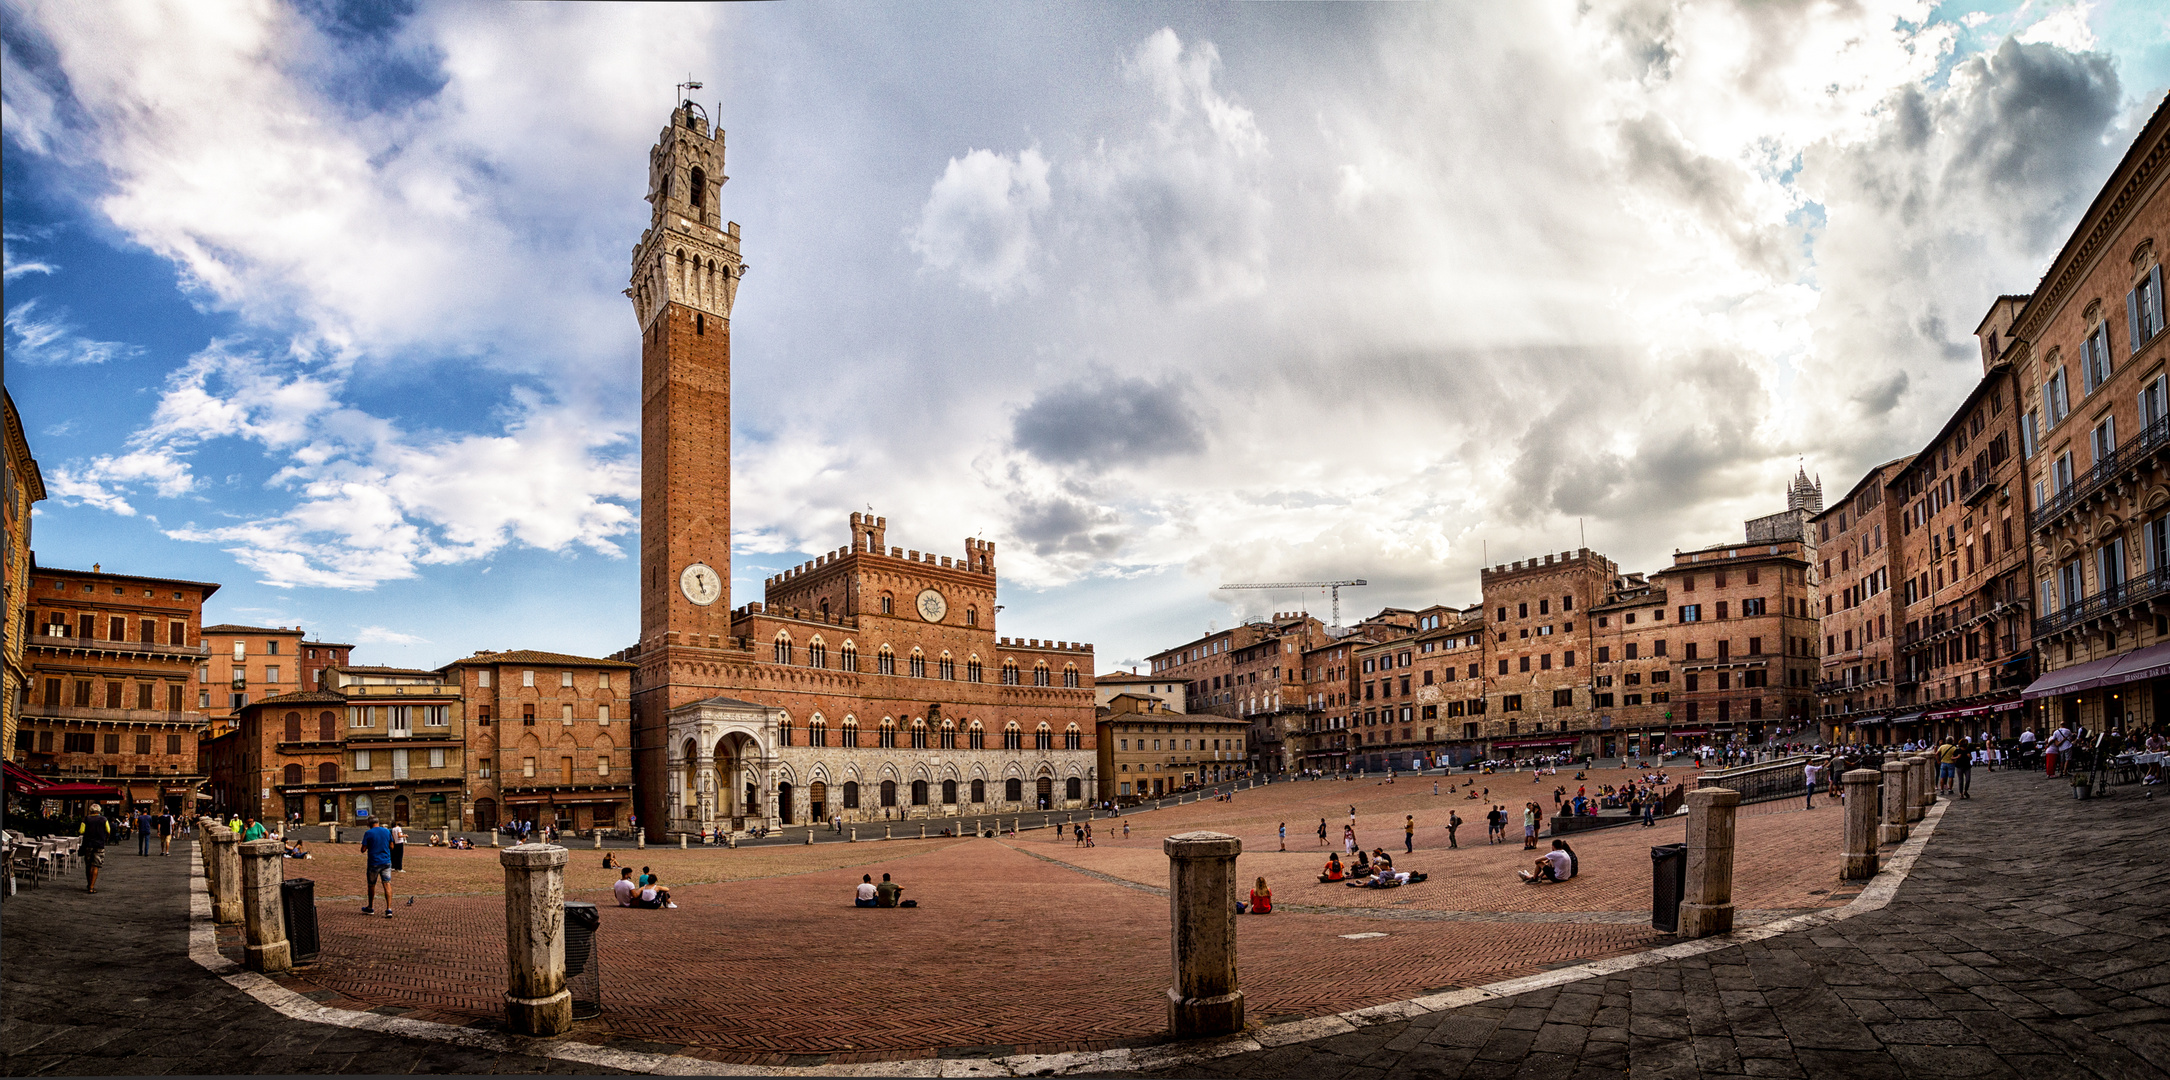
(642, 892)
(1374, 870)
(886, 894)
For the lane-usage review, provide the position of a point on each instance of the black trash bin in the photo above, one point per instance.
(297, 902)
(1668, 884)
(583, 973)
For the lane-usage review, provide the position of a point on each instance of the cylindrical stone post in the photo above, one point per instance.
(1861, 861)
(1896, 800)
(640, 839)
(1205, 999)
(1707, 907)
(810, 836)
(855, 834)
(226, 883)
(263, 868)
(1917, 771)
(922, 830)
(1926, 794)
(493, 837)
(888, 832)
(331, 832)
(598, 839)
(537, 1001)
(681, 841)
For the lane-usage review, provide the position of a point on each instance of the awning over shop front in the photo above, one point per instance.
(1509, 744)
(2125, 667)
(1870, 721)
(1906, 718)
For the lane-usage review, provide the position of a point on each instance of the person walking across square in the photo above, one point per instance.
(143, 833)
(98, 831)
(165, 834)
(1454, 821)
(377, 863)
(1810, 773)
(1409, 835)
(399, 848)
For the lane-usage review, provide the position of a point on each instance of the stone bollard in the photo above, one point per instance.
(681, 841)
(1926, 795)
(810, 834)
(494, 834)
(922, 830)
(331, 832)
(730, 840)
(537, 1001)
(1707, 906)
(888, 832)
(855, 834)
(640, 839)
(263, 868)
(1205, 999)
(598, 839)
(1895, 801)
(226, 883)
(1917, 769)
(1860, 863)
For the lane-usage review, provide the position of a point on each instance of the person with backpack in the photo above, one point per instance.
(98, 831)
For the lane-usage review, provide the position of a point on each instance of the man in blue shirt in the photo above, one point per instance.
(377, 849)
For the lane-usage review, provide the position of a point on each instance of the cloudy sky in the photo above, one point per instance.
(322, 301)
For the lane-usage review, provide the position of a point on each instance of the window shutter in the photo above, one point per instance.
(2154, 299)
(2132, 318)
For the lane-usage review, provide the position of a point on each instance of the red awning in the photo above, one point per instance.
(2125, 667)
(23, 780)
(77, 791)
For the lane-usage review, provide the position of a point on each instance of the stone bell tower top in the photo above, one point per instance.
(688, 254)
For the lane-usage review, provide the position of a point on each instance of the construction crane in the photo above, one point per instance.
(1336, 586)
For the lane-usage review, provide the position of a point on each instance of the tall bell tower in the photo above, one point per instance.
(685, 275)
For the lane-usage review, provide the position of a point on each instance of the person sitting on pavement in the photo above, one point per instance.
(461, 843)
(610, 860)
(1554, 866)
(1261, 898)
(865, 894)
(624, 890)
(1333, 870)
(885, 894)
(298, 849)
(1362, 869)
(653, 895)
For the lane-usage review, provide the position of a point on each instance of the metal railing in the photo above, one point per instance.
(2134, 590)
(2153, 437)
(1786, 778)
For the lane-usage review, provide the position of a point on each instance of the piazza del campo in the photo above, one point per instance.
(1862, 785)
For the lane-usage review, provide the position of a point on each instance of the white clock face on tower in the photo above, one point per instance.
(701, 584)
(931, 605)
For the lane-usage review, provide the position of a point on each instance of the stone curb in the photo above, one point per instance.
(203, 949)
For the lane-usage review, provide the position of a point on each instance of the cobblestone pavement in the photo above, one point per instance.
(102, 985)
(2032, 939)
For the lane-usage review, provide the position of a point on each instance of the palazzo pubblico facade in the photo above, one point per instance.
(869, 683)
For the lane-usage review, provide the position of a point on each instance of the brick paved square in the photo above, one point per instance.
(1027, 942)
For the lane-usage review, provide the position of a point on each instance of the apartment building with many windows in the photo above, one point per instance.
(245, 664)
(1859, 615)
(109, 663)
(21, 486)
(549, 738)
(2087, 351)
